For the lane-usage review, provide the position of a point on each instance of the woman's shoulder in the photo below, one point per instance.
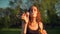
(40, 23)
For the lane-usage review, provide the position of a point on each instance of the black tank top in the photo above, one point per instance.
(29, 31)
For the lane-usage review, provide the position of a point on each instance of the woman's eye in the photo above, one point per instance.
(34, 9)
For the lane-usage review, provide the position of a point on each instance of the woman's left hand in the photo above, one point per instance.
(44, 32)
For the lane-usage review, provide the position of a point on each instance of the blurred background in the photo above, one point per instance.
(11, 11)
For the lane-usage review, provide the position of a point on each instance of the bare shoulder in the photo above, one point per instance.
(40, 23)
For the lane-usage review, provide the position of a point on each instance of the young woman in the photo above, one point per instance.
(33, 21)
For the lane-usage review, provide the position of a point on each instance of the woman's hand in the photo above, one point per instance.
(25, 17)
(43, 32)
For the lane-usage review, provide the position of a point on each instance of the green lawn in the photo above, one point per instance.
(10, 31)
(53, 31)
(18, 31)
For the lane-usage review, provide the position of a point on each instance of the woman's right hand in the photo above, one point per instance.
(25, 17)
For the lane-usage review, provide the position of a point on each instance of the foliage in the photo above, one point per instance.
(10, 16)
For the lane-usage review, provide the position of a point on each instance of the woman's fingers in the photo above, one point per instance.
(23, 16)
(27, 13)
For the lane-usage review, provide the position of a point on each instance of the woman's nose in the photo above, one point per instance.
(32, 10)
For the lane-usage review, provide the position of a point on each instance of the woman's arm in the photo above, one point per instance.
(24, 28)
(41, 26)
(26, 18)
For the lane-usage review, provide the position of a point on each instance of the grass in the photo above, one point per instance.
(55, 30)
(10, 31)
(18, 31)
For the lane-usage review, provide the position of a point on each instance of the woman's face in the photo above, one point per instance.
(34, 11)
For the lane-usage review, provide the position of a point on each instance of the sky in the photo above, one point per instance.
(4, 3)
(26, 5)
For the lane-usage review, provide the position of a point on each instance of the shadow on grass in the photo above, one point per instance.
(55, 30)
(10, 31)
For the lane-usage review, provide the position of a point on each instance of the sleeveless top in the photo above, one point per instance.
(29, 31)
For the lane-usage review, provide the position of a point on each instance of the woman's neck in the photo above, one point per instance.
(34, 20)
